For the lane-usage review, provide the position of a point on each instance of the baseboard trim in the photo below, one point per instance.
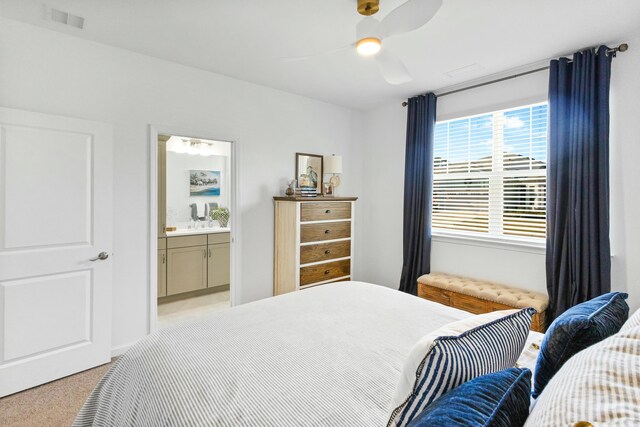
(187, 295)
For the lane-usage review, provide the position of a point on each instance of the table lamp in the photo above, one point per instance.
(333, 166)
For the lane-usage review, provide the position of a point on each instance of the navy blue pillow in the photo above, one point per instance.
(500, 399)
(576, 329)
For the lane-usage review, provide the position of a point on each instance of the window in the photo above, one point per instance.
(490, 174)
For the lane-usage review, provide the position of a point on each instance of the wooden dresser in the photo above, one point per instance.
(313, 241)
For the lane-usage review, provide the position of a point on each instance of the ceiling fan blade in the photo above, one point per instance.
(409, 16)
(314, 55)
(392, 68)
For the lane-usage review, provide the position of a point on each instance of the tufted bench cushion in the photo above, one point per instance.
(487, 291)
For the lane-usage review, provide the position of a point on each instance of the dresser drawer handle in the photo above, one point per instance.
(327, 271)
(327, 231)
(328, 211)
(327, 252)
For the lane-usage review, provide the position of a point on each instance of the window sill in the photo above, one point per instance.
(517, 245)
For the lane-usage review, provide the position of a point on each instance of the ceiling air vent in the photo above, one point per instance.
(67, 18)
(464, 70)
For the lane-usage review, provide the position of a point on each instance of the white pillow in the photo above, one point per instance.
(632, 322)
(529, 354)
(487, 342)
(599, 385)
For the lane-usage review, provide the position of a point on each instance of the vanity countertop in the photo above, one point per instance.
(192, 231)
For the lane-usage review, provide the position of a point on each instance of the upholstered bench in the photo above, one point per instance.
(478, 296)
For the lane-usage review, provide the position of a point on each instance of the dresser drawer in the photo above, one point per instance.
(344, 279)
(325, 231)
(326, 271)
(325, 251)
(319, 211)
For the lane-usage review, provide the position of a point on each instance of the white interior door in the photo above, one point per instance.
(55, 216)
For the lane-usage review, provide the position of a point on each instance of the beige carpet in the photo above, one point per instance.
(50, 405)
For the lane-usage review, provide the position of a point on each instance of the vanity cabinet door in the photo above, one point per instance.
(186, 269)
(162, 273)
(219, 265)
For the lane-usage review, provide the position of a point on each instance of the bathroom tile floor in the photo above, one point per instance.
(176, 312)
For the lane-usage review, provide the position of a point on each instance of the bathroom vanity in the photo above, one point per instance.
(194, 259)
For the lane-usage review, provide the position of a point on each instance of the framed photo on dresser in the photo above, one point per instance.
(309, 171)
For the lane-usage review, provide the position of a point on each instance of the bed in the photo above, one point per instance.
(325, 356)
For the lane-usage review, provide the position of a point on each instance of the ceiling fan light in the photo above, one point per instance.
(368, 46)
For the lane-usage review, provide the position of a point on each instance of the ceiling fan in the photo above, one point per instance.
(371, 33)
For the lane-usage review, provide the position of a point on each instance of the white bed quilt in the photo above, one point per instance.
(326, 356)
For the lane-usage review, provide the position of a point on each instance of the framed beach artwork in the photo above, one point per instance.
(309, 171)
(204, 183)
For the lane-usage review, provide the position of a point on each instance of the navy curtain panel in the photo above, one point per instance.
(418, 179)
(578, 259)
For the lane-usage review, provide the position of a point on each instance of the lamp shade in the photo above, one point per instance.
(333, 164)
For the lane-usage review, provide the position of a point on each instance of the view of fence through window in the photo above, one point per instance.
(490, 173)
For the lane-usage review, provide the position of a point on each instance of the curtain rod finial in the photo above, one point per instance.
(623, 47)
(405, 103)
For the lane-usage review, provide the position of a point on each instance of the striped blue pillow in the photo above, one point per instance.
(453, 360)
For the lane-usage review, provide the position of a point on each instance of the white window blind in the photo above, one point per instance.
(490, 174)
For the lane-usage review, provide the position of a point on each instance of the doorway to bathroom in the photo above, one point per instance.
(195, 228)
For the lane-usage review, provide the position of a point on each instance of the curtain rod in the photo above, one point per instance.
(622, 48)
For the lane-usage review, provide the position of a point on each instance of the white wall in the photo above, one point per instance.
(625, 173)
(383, 148)
(179, 199)
(53, 73)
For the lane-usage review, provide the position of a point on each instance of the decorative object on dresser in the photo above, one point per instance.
(327, 190)
(313, 242)
(478, 296)
(333, 165)
(309, 171)
(308, 191)
(291, 188)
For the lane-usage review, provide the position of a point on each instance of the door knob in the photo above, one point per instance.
(101, 256)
